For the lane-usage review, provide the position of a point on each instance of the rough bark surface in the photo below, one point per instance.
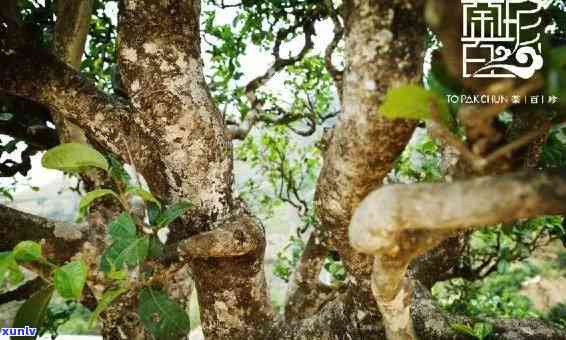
(60, 240)
(170, 130)
(384, 43)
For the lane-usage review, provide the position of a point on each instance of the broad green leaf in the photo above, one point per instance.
(413, 102)
(171, 213)
(144, 194)
(161, 316)
(9, 267)
(73, 157)
(91, 196)
(128, 251)
(122, 227)
(70, 279)
(28, 251)
(33, 311)
(107, 298)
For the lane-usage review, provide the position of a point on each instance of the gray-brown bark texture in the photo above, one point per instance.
(174, 135)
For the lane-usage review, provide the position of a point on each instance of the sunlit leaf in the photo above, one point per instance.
(413, 102)
(482, 330)
(9, 267)
(73, 157)
(463, 329)
(28, 251)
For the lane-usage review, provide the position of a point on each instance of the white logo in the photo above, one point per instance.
(501, 38)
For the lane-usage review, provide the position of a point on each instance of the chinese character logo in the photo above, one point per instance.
(502, 38)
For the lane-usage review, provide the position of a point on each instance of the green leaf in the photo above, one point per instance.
(129, 251)
(9, 266)
(33, 311)
(122, 227)
(144, 194)
(413, 102)
(73, 157)
(171, 213)
(161, 316)
(28, 251)
(70, 279)
(90, 197)
(107, 298)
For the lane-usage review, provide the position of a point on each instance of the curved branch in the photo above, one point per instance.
(36, 74)
(395, 225)
(379, 224)
(71, 30)
(62, 239)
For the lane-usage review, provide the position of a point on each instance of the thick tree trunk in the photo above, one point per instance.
(175, 137)
(384, 47)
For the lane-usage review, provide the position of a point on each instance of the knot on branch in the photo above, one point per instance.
(237, 235)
